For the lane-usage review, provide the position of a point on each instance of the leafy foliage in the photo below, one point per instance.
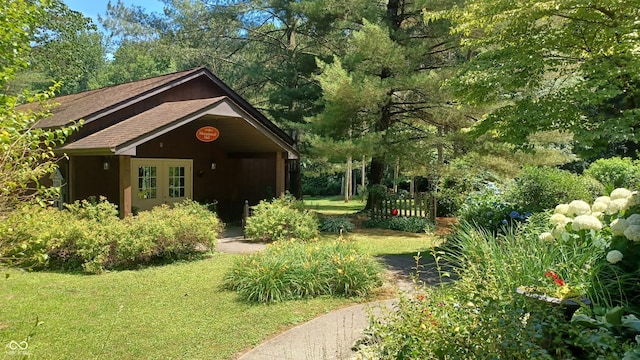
(541, 188)
(411, 224)
(281, 219)
(26, 153)
(91, 237)
(489, 208)
(480, 316)
(293, 269)
(615, 173)
(560, 65)
(336, 224)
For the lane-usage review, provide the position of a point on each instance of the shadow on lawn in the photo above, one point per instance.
(425, 270)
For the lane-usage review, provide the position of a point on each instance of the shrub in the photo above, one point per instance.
(480, 316)
(294, 270)
(90, 238)
(541, 188)
(91, 208)
(412, 224)
(488, 208)
(449, 201)
(281, 219)
(336, 224)
(615, 173)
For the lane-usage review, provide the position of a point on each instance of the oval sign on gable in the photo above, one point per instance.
(207, 134)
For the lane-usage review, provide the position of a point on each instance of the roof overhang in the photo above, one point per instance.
(156, 122)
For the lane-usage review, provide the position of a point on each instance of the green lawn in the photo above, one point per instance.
(333, 205)
(173, 311)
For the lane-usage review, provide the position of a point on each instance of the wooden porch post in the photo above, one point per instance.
(125, 185)
(280, 172)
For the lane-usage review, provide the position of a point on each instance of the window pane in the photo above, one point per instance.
(176, 181)
(147, 182)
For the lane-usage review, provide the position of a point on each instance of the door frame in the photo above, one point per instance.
(161, 195)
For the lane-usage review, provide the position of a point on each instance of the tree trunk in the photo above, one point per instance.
(396, 173)
(364, 171)
(347, 180)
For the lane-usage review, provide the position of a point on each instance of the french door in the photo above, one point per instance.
(160, 181)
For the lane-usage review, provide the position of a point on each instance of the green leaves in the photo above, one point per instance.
(553, 65)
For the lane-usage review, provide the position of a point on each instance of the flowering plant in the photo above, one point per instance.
(612, 225)
(554, 286)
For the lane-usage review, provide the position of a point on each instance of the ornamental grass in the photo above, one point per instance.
(294, 269)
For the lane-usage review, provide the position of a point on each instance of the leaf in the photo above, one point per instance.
(631, 322)
(614, 316)
(585, 321)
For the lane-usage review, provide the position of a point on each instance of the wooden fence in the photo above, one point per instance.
(420, 205)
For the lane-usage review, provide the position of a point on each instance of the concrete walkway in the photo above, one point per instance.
(327, 337)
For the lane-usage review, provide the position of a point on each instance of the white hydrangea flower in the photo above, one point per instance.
(632, 232)
(546, 236)
(562, 209)
(586, 222)
(578, 207)
(597, 214)
(616, 206)
(634, 200)
(603, 199)
(618, 226)
(559, 219)
(614, 256)
(620, 193)
(599, 206)
(633, 219)
(558, 231)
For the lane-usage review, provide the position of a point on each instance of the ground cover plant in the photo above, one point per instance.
(336, 224)
(413, 224)
(281, 219)
(90, 237)
(295, 270)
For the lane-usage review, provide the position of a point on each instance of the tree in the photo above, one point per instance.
(565, 65)
(67, 48)
(26, 153)
(386, 85)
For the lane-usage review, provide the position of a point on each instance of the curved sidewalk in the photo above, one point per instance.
(328, 337)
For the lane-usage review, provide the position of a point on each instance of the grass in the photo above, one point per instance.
(174, 311)
(378, 242)
(333, 205)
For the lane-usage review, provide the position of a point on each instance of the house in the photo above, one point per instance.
(169, 138)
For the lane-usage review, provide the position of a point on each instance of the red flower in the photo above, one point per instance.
(551, 274)
(559, 282)
(420, 297)
(394, 212)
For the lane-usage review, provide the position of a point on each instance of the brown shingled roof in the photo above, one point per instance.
(93, 105)
(141, 125)
(87, 104)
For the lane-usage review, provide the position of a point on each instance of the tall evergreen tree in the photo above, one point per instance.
(385, 86)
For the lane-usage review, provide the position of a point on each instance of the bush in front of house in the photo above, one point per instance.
(89, 237)
(281, 219)
(293, 269)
